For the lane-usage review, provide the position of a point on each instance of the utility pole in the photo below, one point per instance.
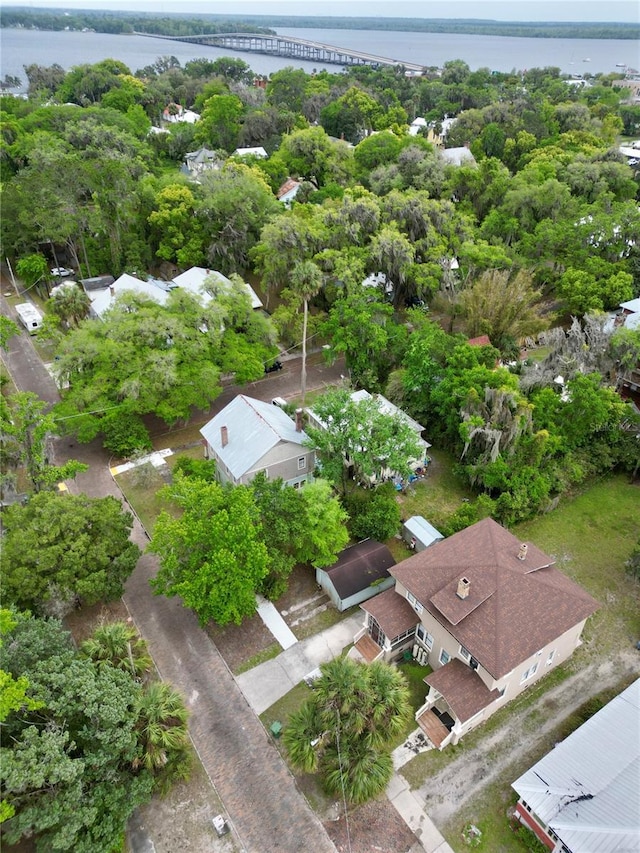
(13, 278)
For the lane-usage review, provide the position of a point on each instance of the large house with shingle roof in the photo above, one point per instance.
(249, 436)
(490, 615)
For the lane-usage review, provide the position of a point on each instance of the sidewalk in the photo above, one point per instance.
(411, 809)
(265, 684)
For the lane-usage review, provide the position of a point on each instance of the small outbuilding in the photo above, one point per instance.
(419, 534)
(361, 572)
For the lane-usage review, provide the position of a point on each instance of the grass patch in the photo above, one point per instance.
(266, 654)
(591, 538)
(415, 675)
(439, 495)
(143, 496)
(287, 705)
(181, 439)
(320, 622)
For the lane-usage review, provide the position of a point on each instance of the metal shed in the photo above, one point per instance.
(418, 531)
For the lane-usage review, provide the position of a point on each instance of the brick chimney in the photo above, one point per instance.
(298, 420)
(464, 585)
(224, 436)
(522, 553)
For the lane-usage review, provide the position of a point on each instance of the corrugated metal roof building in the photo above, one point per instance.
(249, 436)
(584, 795)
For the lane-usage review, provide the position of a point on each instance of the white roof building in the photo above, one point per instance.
(584, 795)
(458, 156)
(102, 300)
(194, 278)
(251, 152)
(631, 307)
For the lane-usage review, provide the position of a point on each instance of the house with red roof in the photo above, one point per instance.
(489, 614)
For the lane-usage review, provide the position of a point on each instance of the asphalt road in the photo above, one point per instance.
(264, 806)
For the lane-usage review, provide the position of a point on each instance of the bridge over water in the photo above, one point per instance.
(311, 51)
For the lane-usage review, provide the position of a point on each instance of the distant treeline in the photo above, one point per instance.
(125, 22)
(179, 25)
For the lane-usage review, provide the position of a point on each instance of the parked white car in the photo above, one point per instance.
(61, 272)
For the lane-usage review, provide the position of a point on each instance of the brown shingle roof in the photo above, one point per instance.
(465, 692)
(359, 566)
(393, 613)
(515, 607)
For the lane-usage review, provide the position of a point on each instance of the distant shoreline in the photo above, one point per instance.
(176, 23)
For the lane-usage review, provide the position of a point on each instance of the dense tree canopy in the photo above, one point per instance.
(59, 550)
(88, 744)
(542, 224)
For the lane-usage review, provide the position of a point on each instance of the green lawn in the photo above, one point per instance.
(439, 495)
(591, 537)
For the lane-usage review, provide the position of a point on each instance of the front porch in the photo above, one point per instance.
(390, 625)
(434, 728)
(456, 702)
(367, 648)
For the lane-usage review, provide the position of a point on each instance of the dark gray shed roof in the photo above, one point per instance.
(359, 566)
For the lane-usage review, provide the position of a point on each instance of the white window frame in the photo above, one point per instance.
(550, 657)
(529, 673)
(302, 463)
(465, 654)
(426, 639)
(444, 653)
(413, 601)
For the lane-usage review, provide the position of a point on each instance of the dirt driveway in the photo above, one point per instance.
(464, 778)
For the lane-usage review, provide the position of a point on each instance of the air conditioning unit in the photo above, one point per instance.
(415, 650)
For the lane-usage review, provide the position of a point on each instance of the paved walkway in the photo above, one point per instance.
(265, 684)
(411, 809)
(275, 623)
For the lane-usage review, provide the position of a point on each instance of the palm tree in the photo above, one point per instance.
(118, 645)
(163, 739)
(306, 281)
(343, 730)
(70, 303)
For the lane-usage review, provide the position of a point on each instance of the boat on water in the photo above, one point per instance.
(621, 64)
(587, 59)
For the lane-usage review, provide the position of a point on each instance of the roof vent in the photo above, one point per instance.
(464, 585)
(522, 553)
(224, 436)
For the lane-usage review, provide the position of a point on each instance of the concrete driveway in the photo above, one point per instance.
(269, 681)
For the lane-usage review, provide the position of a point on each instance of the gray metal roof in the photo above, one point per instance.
(422, 530)
(253, 428)
(587, 789)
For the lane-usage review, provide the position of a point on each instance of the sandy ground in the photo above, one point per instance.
(465, 777)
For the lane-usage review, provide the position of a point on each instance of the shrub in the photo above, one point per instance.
(373, 514)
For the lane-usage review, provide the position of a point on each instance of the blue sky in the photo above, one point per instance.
(515, 10)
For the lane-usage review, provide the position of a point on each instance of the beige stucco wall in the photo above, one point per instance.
(559, 650)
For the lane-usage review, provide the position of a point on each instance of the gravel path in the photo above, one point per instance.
(465, 777)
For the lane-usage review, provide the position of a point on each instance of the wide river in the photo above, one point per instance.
(499, 53)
